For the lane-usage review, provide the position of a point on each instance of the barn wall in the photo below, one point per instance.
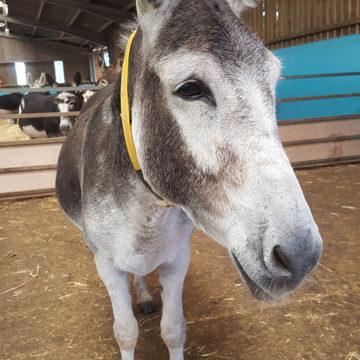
(39, 57)
(335, 56)
(284, 23)
(7, 72)
(36, 68)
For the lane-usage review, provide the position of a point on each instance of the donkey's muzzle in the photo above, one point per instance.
(283, 267)
(65, 125)
(295, 257)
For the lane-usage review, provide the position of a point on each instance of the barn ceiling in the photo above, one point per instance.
(83, 23)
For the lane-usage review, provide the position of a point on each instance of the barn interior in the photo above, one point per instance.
(75, 32)
(53, 303)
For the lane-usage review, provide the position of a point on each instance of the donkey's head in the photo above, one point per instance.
(204, 127)
(108, 76)
(67, 102)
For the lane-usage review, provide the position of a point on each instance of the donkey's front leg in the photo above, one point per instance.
(171, 277)
(143, 298)
(125, 325)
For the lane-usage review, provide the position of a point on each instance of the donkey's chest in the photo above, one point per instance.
(140, 243)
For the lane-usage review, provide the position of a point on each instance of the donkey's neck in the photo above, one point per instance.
(107, 136)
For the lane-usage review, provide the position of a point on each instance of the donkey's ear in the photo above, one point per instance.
(50, 80)
(29, 79)
(239, 6)
(151, 14)
(101, 63)
(42, 80)
(77, 79)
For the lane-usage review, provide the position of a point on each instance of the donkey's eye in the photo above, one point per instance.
(190, 90)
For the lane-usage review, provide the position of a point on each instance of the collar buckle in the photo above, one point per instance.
(165, 204)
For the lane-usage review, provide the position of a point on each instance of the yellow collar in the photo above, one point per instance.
(125, 115)
(125, 109)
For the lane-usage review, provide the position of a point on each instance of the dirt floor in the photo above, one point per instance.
(54, 306)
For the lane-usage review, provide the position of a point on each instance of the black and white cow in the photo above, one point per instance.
(9, 104)
(49, 126)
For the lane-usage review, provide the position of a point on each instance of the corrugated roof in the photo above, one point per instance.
(84, 23)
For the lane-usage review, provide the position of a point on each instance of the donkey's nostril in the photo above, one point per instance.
(293, 257)
(65, 127)
(280, 259)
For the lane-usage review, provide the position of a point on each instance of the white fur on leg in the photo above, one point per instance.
(142, 294)
(125, 325)
(127, 355)
(171, 277)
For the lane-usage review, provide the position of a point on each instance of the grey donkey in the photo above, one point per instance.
(202, 100)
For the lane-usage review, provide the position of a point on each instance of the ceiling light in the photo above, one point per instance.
(5, 10)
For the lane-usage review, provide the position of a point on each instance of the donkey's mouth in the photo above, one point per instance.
(253, 287)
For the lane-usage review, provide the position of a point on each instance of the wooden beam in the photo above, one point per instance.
(318, 119)
(38, 16)
(73, 18)
(129, 6)
(40, 10)
(321, 140)
(104, 26)
(323, 97)
(48, 88)
(294, 77)
(27, 168)
(61, 36)
(56, 38)
(84, 35)
(25, 143)
(39, 115)
(15, 37)
(355, 21)
(28, 38)
(311, 164)
(109, 13)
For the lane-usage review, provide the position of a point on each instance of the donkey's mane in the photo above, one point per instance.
(125, 31)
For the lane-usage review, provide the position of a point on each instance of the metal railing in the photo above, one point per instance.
(12, 90)
(49, 89)
(319, 97)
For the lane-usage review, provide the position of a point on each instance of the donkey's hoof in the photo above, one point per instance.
(146, 307)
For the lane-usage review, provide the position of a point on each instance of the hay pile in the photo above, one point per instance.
(11, 132)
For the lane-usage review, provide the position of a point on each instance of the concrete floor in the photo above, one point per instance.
(53, 305)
